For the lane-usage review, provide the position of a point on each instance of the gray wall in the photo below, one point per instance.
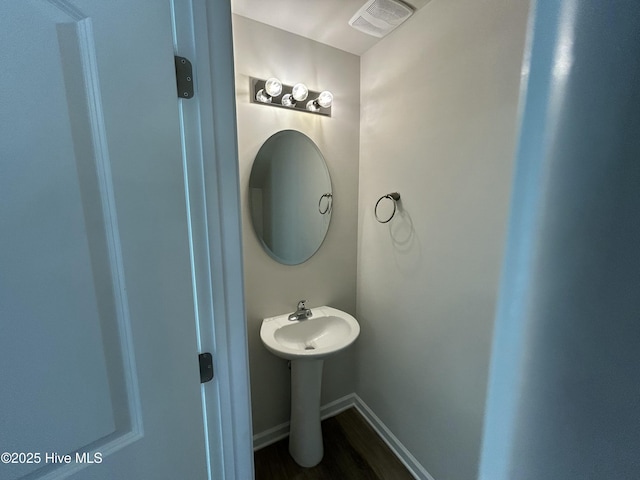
(438, 125)
(565, 383)
(329, 277)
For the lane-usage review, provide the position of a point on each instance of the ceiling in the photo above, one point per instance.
(325, 21)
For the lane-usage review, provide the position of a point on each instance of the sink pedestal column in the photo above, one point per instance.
(305, 436)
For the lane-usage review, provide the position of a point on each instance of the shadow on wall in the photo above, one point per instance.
(407, 251)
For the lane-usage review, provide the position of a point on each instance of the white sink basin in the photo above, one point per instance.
(327, 331)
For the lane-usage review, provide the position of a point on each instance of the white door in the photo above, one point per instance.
(97, 333)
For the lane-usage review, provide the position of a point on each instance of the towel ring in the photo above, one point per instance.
(394, 197)
(329, 198)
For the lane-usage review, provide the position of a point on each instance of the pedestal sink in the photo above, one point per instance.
(306, 343)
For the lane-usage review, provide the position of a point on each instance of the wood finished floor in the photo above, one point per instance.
(352, 451)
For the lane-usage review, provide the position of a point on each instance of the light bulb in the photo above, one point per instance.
(287, 100)
(273, 87)
(312, 106)
(300, 92)
(261, 96)
(325, 99)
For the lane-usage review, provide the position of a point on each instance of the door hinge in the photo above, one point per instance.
(184, 77)
(206, 367)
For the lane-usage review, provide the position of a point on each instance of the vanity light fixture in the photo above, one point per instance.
(274, 93)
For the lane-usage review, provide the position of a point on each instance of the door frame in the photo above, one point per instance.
(222, 186)
(203, 33)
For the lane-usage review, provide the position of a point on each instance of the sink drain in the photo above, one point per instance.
(309, 347)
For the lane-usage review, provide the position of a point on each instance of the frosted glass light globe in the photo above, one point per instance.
(312, 106)
(273, 87)
(300, 92)
(325, 99)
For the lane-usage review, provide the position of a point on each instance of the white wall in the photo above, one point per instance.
(329, 277)
(438, 125)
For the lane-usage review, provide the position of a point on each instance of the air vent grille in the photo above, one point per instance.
(379, 17)
(389, 12)
(366, 27)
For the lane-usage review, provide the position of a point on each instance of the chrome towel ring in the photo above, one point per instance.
(329, 198)
(394, 197)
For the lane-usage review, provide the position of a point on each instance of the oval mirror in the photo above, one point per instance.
(290, 197)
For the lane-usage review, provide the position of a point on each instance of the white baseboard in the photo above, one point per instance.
(331, 409)
(337, 406)
(400, 451)
(272, 435)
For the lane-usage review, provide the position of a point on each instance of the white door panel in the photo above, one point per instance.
(97, 340)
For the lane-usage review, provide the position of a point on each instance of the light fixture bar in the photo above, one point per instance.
(258, 84)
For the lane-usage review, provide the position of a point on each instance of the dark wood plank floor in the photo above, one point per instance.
(352, 451)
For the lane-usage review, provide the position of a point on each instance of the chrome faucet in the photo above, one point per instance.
(302, 313)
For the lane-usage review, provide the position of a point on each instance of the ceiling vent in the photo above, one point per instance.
(379, 17)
